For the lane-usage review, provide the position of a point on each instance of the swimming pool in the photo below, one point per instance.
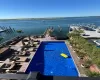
(48, 60)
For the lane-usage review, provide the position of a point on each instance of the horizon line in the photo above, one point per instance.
(46, 17)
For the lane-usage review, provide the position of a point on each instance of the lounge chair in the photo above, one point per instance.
(27, 60)
(34, 49)
(13, 71)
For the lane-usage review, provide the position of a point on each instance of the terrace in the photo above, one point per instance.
(20, 57)
(25, 51)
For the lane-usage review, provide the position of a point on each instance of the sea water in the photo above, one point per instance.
(38, 26)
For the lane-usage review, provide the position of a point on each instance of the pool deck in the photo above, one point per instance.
(76, 60)
(48, 38)
(72, 52)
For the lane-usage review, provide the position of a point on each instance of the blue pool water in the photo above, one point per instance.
(48, 61)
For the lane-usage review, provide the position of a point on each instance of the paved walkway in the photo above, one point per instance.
(76, 60)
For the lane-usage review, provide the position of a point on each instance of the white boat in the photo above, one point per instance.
(1, 30)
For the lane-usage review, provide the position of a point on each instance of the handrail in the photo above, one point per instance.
(13, 76)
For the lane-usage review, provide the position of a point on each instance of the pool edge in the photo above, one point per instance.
(72, 59)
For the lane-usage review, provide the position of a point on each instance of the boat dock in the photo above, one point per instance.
(90, 34)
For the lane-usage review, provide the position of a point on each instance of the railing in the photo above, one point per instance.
(31, 76)
(7, 41)
(37, 76)
(14, 76)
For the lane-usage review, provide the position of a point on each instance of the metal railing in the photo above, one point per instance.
(14, 76)
(30, 76)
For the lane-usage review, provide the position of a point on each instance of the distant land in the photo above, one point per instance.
(33, 18)
(48, 18)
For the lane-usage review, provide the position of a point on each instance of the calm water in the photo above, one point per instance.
(33, 27)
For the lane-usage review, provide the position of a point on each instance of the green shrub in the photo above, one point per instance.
(84, 48)
(92, 74)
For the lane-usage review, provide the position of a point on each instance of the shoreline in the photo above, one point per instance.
(47, 17)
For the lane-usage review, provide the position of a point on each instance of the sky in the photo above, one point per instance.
(48, 8)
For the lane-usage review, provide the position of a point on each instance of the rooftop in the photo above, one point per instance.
(22, 52)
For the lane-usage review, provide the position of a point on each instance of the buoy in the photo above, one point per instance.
(64, 55)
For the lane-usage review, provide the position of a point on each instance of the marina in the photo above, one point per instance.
(37, 26)
(91, 34)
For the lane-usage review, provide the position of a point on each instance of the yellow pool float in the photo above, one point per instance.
(64, 55)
